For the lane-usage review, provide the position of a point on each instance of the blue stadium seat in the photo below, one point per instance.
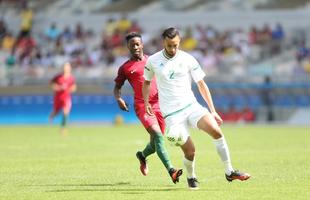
(284, 100)
(239, 101)
(302, 100)
(254, 101)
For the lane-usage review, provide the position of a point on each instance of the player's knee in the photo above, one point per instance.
(190, 155)
(216, 132)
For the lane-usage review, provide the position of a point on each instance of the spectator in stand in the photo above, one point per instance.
(94, 56)
(135, 27)
(188, 43)
(209, 62)
(278, 32)
(265, 41)
(36, 57)
(116, 39)
(238, 62)
(302, 52)
(110, 27)
(3, 30)
(67, 34)
(8, 42)
(152, 46)
(124, 24)
(79, 32)
(253, 35)
(58, 47)
(26, 19)
(265, 34)
(277, 39)
(306, 65)
(52, 33)
(24, 47)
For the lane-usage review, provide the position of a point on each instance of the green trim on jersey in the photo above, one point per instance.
(175, 112)
(195, 68)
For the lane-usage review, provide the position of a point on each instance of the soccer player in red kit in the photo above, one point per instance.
(63, 85)
(132, 70)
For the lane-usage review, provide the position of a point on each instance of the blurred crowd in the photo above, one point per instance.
(218, 51)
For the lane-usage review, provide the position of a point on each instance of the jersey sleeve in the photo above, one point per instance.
(120, 78)
(195, 69)
(148, 71)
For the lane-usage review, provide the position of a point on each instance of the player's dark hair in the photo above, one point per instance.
(170, 33)
(131, 35)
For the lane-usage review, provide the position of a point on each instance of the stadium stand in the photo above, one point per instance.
(230, 47)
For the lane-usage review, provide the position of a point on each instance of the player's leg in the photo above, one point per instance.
(150, 147)
(157, 131)
(162, 125)
(178, 135)
(52, 116)
(159, 144)
(64, 119)
(208, 124)
(161, 150)
(156, 144)
(142, 155)
(66, 111)
(189, 162)
(56, 108)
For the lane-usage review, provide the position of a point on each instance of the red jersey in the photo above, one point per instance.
(133, 71)
(65, 83)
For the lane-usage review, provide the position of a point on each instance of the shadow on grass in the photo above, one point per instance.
(83, 185)
(111, 187)
(124, 190)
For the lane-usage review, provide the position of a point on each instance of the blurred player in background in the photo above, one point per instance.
(174, 69)
(63, 85)
(132, 70)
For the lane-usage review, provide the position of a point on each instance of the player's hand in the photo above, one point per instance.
(64, 87)
(56, 87)
(217, 118)
(148, 109)
(122, 105)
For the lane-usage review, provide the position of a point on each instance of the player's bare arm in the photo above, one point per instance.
(73, 88)
(55, 87)
(145, 92)
(205, 93)
(121, 102)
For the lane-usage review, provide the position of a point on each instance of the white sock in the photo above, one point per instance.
(223, 151)
(190, 167)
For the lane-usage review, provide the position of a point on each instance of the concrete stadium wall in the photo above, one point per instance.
(34, 109)
(300, 117)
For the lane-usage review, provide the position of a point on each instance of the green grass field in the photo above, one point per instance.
(98, 162)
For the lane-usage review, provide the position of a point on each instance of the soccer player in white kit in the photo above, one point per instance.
(174, 70)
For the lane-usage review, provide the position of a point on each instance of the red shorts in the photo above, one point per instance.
(148, 120)
(62, 104)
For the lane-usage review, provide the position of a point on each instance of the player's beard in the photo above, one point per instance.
(170, 54)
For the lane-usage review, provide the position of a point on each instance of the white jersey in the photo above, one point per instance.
(173, 79)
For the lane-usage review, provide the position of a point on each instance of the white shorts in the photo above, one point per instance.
(178, 122)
